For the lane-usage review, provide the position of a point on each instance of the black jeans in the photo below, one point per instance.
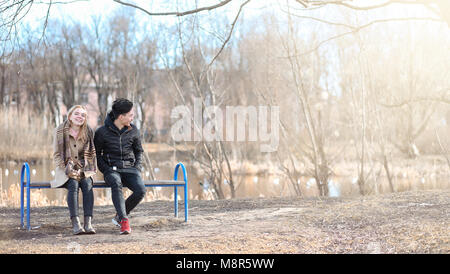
(116, 180)
(73, 187)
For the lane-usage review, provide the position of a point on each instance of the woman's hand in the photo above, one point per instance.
(72, 171)
(75, 174)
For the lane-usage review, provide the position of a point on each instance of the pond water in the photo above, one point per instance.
(248, 185)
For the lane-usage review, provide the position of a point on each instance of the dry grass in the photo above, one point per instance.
(11, 198)
(24, 135)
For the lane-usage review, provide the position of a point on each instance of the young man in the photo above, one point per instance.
(119, 155)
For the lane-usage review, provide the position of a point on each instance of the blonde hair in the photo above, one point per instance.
(83, 128)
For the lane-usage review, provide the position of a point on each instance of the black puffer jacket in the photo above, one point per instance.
(121, 149)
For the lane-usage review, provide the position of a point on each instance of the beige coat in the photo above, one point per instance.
(76, 148)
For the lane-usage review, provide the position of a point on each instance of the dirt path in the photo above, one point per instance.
(408, 222)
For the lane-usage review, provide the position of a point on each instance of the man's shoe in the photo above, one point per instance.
(125, 226)
(116, 220)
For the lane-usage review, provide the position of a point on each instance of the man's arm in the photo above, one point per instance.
(138, 150)
(99, 145)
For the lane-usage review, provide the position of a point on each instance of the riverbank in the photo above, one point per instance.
(406, 222)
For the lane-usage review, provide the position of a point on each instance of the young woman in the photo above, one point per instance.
(75, 163)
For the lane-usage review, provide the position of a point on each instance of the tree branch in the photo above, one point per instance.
(443, 6)
(343, 3)
(356, 29)
(444, 150)
(228, 37)
(176, 13)
(441, 99)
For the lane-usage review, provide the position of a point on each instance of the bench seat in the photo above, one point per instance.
(26, 185)
(103, 184)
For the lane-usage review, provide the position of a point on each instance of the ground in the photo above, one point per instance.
(406, 222)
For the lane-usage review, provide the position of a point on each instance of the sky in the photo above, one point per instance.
(82, 10)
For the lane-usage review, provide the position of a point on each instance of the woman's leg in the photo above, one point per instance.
(72, 196)
(88, 196)
(72, 202)
(88, 204)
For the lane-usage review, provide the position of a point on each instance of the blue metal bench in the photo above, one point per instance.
(28, 185)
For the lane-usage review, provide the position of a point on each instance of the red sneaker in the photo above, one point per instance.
(125, 226)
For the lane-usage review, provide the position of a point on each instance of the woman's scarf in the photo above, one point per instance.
(88, 166)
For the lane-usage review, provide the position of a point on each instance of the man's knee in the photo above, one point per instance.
(135, 183)
(139, 190)
(113, 180)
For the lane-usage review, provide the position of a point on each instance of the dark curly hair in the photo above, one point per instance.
(121, 106)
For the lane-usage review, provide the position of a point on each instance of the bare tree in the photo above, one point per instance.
(196, 79)
(98, 62)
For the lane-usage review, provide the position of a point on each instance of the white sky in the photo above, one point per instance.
(79, 11)
(83, 10)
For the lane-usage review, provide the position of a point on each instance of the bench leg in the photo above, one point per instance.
(175, 198)
(175, 177)
(28, 208)
(185, 203)
(25, 172)
(22, 225)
